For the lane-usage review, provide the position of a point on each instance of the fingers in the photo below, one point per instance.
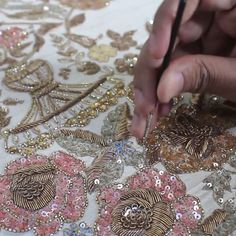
(198, 74)
(145, 85)
(221, 46)
(164, 19)
(138, 126)
(217, 5)
(192, 30)
(227, 22)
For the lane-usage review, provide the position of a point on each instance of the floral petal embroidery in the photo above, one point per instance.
(67, 163)
(141, 208)
(189, 211)
(32, 196)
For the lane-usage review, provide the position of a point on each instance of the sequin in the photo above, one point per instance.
(142, 210)
(190, 140)
(81, 229)
(31, 196)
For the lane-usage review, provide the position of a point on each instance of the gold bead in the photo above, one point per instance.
(103, 108)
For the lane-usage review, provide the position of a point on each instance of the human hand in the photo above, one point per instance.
(204, 59)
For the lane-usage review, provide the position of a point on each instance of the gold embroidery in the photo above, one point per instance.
(116, 124)
(12, 101)
(122, 42)
(102, 53)
(86, 4)
(142, 212)
(50, 98)
(127, 63)
(4, 120)
(88, 67)
(210, 224)
(130, 92)
(75, 21)
(33, 188)
(83, 40)
(190, 140)
(101, 103)
(65, 73)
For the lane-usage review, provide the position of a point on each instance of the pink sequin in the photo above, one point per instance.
(69, 203)
(67, 163)
(12, 37)
(190, 211)
(179, 230)
(53, 227)
(171, 189)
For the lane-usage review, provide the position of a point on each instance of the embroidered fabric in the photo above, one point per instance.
(67, 69)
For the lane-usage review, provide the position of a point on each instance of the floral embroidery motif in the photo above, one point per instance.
(102, 53)
(122, 42)
(151, 203)
(33, 188)
(88, 67)
(190, 141)
(127, 63)
(55, 103)
(12, 37)
(86, 143)
(65, 73)
(109, 165)
(31, 196)
(78, 230)
(86, 4)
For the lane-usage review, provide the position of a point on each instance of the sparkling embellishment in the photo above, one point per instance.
(190, 140)
(31, 196)
(139, 208)
(80, 229)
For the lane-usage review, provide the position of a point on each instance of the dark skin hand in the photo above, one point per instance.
(204, 59)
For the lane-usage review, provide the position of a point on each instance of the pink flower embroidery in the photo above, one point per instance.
(151, 203)
(40, 193)
(12, 37)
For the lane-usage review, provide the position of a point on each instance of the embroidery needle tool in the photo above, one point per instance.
(167, 59)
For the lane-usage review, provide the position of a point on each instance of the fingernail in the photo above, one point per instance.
(172, 85)
(138, 126)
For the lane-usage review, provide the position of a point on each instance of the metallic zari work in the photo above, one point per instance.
(152, 203)
(190, 140)
(4, 119)
(110, 164)
(122, 42)
(127, 63)
(85, 4)
(102, 53)
(86, 143)
(32, 196)
(102, 99)
(54, 103)
(220, 181)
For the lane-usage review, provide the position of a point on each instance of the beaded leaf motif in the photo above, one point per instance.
(84, 143)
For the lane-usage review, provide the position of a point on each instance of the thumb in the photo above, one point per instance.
(199, 74)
